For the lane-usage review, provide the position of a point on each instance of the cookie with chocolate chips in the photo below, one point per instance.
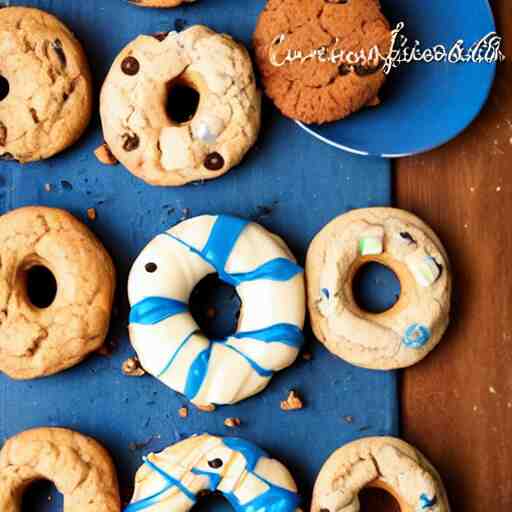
(322, 60)
(181, 107)
(45, 85)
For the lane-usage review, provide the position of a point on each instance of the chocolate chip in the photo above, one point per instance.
(151, 267)
(130, 66)
(214, 162)
(4, 88)
(161, 36)
(215, 463)
(131, 141)
(59, 51)
(324, 510)
(3, 134)
(344, 69)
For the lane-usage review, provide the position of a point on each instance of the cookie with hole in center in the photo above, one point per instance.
(402, 335)
(385, 463)
(45, 85)
(56, 290)
(81, 469)
(181, 107)
(322, 60)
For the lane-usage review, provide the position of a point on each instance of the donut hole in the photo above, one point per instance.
(376, 288)
(42, 496)
(41, 286)
(215, 306)
(378, 500)
(182, 101)
(4, 88)
(212, 501)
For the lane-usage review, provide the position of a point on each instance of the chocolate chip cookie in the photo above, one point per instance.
(322, 60)
(181, 107)
(45, 85)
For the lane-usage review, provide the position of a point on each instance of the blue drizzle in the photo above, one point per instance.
(153, 310)
(326, 293)
(217, 250)
(416, 336)
(175, 355)
(154, 498)
(287, 334)
(197, 373)
(426, 502)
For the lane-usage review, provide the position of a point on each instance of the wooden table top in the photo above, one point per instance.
(457, 404)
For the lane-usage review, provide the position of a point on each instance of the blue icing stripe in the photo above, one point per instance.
(262, 372)
(217, 250)
(197, 373)
(154, 499)
(178, 350)
(426, 502)
(153, 310)
(416, 336)
(249, 451)
(214, 478)
(288, 334)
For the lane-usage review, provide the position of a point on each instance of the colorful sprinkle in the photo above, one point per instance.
(427, 272)
(416, 336)
(426, 503)
(325, 293)
(371, 245)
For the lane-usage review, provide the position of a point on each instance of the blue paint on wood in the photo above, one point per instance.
(303, 182)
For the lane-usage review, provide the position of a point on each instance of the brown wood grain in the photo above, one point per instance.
(457, 404)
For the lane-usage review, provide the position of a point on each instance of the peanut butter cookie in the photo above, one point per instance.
(80, 468)
(45, 85)
(56, 290)
(321, 60)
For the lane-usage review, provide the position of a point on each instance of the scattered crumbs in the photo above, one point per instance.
(206, 408)
(492, 390)
(307, 356)
(183, 412)
(133, 447)
(91, 213)
(292, 403)
(348, 419)
(104, 155)
(132, 368)
(232, 422)
(47, 187)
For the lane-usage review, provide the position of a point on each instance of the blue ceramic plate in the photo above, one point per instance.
(423, 105)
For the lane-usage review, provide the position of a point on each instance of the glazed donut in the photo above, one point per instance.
(38, 246)
(168, 341)
(382, 462)
(45, 85)
(153, 78)
(80, 468)
(408, 331)
(243, 473)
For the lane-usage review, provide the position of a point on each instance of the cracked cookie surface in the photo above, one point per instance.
(46, 101)
(137, 106)
(39, 341)
(414, 325)
(79, 466)
(320, 89)
(384, 462)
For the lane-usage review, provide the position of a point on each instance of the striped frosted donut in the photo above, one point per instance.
(169, 342)
(244, 474)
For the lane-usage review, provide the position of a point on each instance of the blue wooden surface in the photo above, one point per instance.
(304, 182)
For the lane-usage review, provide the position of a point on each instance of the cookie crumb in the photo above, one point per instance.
(206, 408)
(307, 356)
(91, 214)
(183, 412)
(132, 367)
(292, 403)
(105, 156)
(232, 422)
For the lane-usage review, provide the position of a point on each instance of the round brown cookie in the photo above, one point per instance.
(160, 3)
(177, 108)
(325, 87)
(45, 85)
(80, 468)
(56, 290)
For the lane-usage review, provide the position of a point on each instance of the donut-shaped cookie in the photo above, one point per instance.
(402, 335)
(56, 290)
(383, 462)
(181, 107)
(45, 85)
(160, 3)
(243, 473)
(80, 468)
(164, 334)
(322, 60)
